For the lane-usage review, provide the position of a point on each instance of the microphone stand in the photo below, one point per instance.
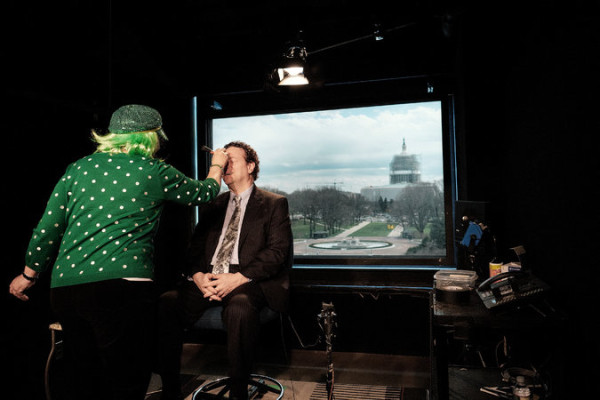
(327, 324)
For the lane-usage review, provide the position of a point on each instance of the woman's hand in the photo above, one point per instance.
(220, 157)
(19, 285)
(218, 164)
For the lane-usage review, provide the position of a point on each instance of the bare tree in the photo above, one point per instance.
(419, 204)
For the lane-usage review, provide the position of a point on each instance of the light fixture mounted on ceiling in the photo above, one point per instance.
(291, 71)
(377, 32)
(292, 68)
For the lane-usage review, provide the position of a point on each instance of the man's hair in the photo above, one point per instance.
(251, 155)
(139, 143)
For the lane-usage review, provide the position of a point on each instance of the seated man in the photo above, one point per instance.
(243, 267)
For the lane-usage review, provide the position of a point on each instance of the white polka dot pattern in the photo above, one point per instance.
(102, 216)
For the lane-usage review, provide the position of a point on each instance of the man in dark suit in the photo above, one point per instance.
(254, 275)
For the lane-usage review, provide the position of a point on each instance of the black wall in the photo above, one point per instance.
(530, 90)
(526, 100)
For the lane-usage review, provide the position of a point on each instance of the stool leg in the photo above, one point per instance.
(47, 370)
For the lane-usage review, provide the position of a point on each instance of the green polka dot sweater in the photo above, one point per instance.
(101, 218)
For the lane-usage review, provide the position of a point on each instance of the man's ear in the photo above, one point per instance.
(251, 166)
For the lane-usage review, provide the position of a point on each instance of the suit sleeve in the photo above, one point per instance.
(272, 244)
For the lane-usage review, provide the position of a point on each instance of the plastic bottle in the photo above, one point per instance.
(521, 391)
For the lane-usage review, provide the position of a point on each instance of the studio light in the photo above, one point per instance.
(291, 71)
(377, 32)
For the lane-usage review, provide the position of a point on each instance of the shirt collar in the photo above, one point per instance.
(245, 195)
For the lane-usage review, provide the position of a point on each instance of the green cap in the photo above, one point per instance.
(134, 118)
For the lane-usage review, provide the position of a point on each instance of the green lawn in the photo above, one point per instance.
(380, 229)
(300, 230)
(375, 229)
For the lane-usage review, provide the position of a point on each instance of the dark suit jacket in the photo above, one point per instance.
(265, 245)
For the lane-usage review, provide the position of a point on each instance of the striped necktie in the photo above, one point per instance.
(224, 255)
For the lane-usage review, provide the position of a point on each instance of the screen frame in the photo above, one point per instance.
(289, 100)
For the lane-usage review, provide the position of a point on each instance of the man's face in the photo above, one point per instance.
(238, 170)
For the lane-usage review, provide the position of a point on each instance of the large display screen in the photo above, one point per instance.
(366, 185)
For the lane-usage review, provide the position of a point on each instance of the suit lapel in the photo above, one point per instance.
(253, 209)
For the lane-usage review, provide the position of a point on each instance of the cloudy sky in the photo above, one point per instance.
(351, 148)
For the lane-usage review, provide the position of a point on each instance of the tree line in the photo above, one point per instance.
(419, 207)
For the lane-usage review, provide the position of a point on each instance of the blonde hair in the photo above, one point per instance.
(137, 143)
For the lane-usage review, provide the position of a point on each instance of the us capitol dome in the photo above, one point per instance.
(405, 169)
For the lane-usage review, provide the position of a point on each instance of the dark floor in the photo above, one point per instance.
(466, 383)
(305, 373)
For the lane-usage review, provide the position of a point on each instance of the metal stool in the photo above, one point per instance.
(258, 384)
(54, 328)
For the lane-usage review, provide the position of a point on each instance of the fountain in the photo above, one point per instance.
(351, 244)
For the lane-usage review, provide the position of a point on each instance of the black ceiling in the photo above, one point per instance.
(216, 46)
(98, 50)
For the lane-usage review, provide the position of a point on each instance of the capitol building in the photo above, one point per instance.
(405, 169)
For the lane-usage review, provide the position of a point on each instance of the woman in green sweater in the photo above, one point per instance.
(96, 234)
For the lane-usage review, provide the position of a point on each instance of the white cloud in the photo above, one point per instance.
(353, 146)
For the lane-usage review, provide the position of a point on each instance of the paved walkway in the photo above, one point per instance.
(350, 231)
(396, 232)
